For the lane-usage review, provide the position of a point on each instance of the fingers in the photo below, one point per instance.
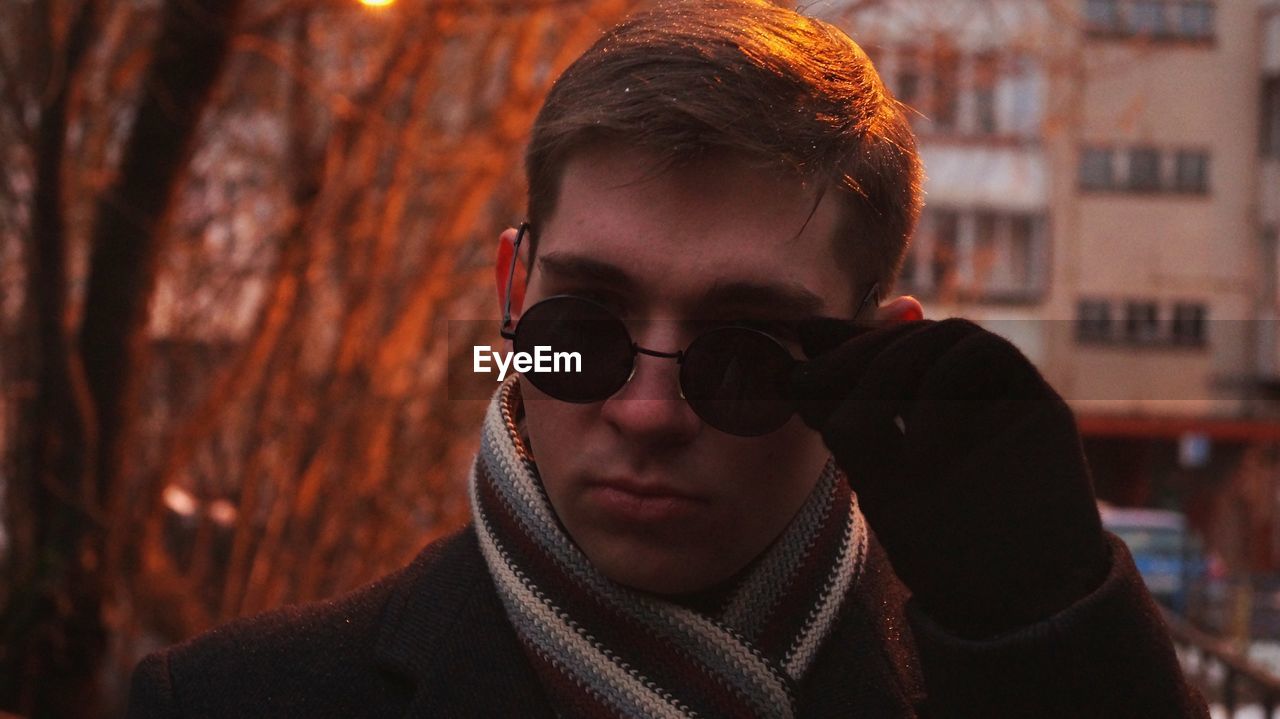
(886, 364)
(875, 417)
(896, 371)
(821, 335)
(984, 366)
(822, 383)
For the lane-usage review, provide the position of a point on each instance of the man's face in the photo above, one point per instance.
(656, 498)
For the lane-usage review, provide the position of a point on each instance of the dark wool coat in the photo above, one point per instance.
(432, 640)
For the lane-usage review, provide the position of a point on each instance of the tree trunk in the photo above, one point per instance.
(44, 615)
(75, 470)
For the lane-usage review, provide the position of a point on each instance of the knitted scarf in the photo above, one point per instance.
(604, 650)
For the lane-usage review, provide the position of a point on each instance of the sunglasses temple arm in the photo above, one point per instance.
(823, 334)
(511, 275)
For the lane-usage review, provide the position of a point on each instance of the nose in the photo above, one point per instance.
(649, 407)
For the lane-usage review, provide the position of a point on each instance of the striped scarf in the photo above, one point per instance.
(604, 650)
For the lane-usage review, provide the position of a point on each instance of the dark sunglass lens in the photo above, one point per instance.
(735, 380)
(585, 349)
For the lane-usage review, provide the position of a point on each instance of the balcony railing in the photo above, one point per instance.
(1224, 674)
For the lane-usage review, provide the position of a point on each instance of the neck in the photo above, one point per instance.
(711, 600)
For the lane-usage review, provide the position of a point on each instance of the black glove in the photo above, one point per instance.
(967, 465)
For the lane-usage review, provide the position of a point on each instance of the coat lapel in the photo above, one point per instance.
(445, 630)
(868, 666)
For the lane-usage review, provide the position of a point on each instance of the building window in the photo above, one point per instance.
(1144, 169)
(1271, 117)
(1022, 83)
(945, 90)
(1269, 273)
(907, 277)
(986, 254)
(1022, 242)
(986, 222)
(1187, 327)
(1102, 15)
(1093, 321)
(986, 72)
(985, 106)
(1154, 19)
(1192, 172)
(1188, 324)
(1196, 20)
(943, 263)
(989, 255)
(984, 94)
(1146, 17)
(1096, 169)
(1141, 322)
(909, 86)
(908, 81)
(1005, 256)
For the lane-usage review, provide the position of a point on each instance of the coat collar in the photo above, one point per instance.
(446, 631)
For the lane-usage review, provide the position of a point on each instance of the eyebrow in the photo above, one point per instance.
(576, 267)
(788, 297)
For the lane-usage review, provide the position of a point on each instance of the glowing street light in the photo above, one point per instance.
(376, 3)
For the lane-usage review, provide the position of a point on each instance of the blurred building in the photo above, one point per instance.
(1268, 186)
(1104, 190)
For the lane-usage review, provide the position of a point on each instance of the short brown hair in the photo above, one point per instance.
(748, 77)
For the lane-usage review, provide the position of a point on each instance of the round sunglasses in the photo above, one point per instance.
(734, 377)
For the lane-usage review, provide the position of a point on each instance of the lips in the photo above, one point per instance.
(628, 501)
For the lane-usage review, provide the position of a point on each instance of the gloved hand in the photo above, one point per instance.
(967, 465)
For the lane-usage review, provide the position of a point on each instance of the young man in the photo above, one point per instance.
(720, 193)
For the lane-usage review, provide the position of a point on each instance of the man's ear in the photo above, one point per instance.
(900, 309)
(502, 270)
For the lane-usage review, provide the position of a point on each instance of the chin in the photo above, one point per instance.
(661, 584)
(657, 571)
